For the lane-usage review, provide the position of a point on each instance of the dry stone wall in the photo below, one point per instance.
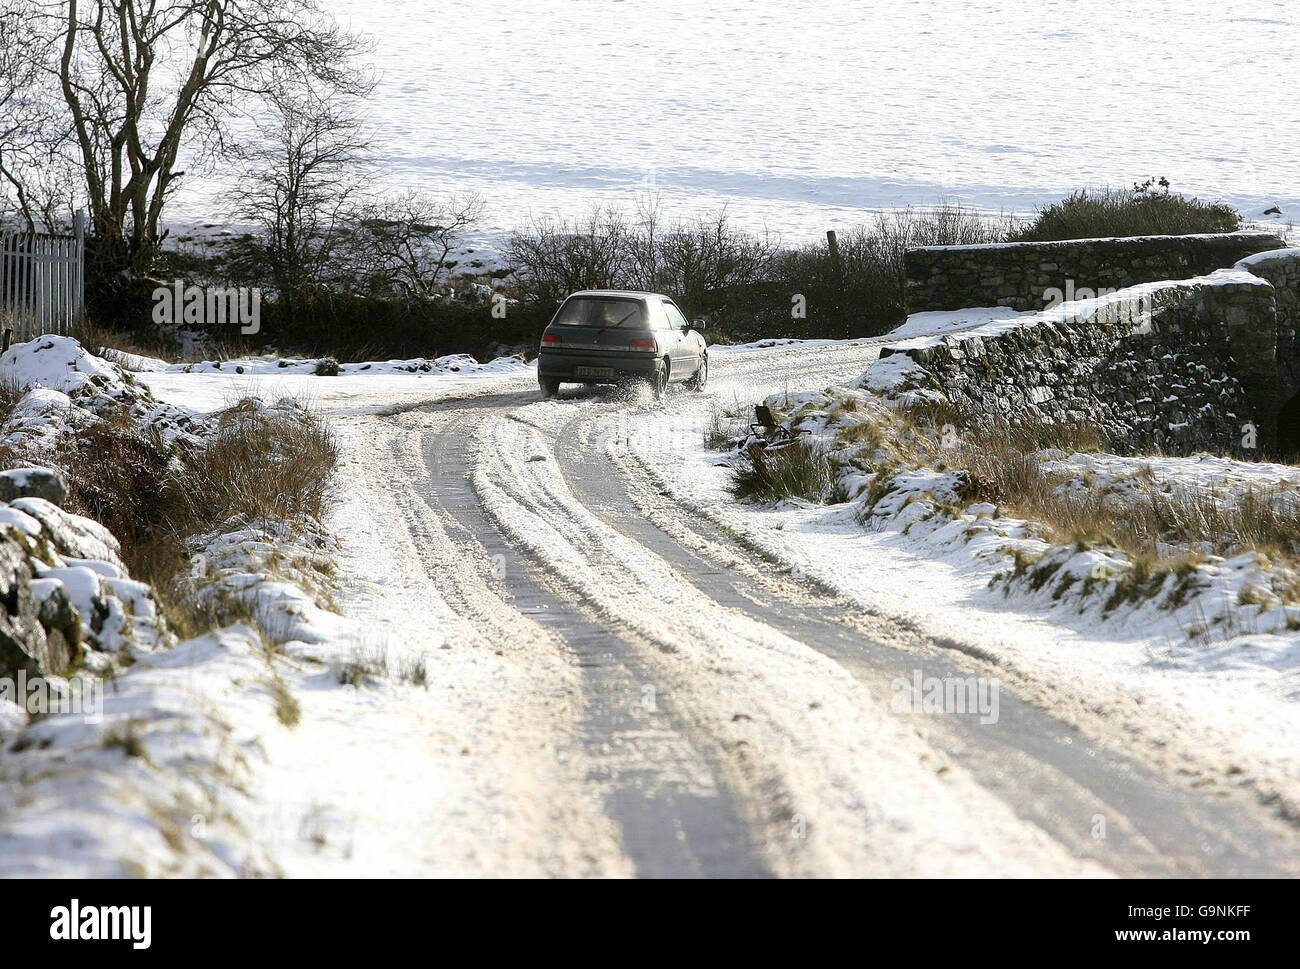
(1022, 274)
(1281, 267)
(1173, 366)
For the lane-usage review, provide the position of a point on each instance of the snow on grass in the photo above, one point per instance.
(376, 387)
(151, 780)
(153, 783)
(1204, 586)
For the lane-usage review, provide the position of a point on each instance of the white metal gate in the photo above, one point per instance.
(42, 281)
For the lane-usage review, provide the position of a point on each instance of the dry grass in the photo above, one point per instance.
(1006, 470)
(11, 393)
(261, 466)
(721, 431)
(797, 470)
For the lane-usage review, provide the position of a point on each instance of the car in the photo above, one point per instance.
(606, 336)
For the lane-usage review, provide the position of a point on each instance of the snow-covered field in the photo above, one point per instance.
(805, 115)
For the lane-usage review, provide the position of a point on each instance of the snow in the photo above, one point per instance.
(57, 363)
(417, 684)
(892, 373)
(1221, 676)
(457, 363)
(358, 389)
(1259, 258)
(707, 652)
(1068, 243)
(1132, 300)
(941, 321)
(815, 128)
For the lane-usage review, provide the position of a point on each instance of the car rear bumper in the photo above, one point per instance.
(576, 366)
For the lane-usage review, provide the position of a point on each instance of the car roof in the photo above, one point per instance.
(618, 293)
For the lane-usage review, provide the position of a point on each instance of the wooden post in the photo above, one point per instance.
(837, 281)
(834, 244)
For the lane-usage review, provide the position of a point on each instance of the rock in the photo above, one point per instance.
(72, 535)
(1178, 366)
(25, 643)
(33, 483)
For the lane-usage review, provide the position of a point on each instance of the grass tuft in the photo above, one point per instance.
(797, 470)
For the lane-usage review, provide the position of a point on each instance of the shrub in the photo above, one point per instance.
(353, 328)
(262, 465)
(798, 470)
(1144, 210)
(864, 293)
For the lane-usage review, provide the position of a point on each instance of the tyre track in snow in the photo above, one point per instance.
(1043, 768)
(550, 524)
(659, 788)
(800, 740)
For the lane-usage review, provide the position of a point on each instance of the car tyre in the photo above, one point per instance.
(701, 376)
(659, 382)
(550, 388)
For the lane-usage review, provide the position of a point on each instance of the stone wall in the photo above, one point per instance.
(1173, 366)
(1020, 274)
(1281, 267)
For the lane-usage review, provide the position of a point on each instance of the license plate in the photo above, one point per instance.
(593, 371)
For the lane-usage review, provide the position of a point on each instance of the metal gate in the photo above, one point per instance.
(42, 281)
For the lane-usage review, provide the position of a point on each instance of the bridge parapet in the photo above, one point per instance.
(1176, 366)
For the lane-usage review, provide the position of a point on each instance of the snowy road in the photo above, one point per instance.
(625, 687)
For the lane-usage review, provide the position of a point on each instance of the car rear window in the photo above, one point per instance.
(602, 311)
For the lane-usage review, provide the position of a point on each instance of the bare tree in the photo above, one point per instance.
(135, 81)
(25, 121)
(406, 240)
(709, 256)
(300, 179)
(553, 258)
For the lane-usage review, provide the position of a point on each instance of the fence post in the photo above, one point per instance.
(837, 280)
(79, 270)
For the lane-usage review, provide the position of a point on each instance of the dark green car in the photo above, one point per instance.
(611, 336)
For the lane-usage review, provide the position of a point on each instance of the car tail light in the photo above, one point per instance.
(551, 340)
(644, 345)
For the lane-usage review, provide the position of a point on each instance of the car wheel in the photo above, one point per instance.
(549, 388)
(659, 382)
(701, 377)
